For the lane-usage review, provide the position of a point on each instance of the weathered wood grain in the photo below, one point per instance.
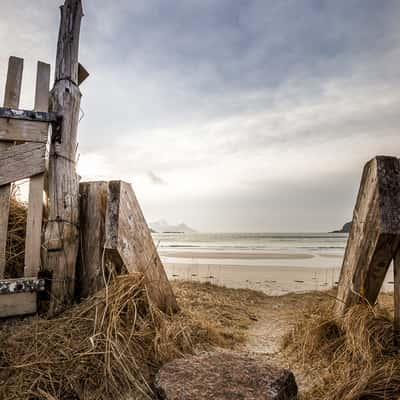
(23, 131)
(62, 232)
(17, 304)
(28, 115)
(11, 99)
(21, 285)
(374, 235)
(129, 239)
(93, 205)
(22, 161)
(36, 185)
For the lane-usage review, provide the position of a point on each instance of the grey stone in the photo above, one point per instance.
(225, 375)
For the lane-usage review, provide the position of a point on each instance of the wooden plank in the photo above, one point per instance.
(129, 239)
(23, 131)
(396, 269)
(21, 285)
(62, 231)
(374, 234)
(28, 115)
(93, 204)
(17, 304)
(11, 99)
(36, 184)
(22, 161)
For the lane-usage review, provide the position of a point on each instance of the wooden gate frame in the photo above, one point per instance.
(23, 141)
(374, 239)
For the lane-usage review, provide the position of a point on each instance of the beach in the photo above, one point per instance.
(275, 264)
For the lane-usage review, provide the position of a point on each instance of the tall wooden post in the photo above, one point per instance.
(11, 99)
(62, 231)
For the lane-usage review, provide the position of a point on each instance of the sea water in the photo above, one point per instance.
(275, 263)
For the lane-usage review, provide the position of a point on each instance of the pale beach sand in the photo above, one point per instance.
(274, 263)
(277, 280)
(272, 280)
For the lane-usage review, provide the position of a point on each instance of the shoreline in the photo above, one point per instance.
(222, 255)
(271, 280)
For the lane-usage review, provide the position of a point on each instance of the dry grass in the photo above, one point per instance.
(108, 346)
(348, 358)
(15, 250)
(111, 345)
(225, 314)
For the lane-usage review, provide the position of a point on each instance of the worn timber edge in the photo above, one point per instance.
(29, 115)
(21, 285)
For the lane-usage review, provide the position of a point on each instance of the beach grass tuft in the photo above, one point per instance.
(109, 346)
(349, 358)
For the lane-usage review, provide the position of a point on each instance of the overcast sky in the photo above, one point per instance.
(229, 115)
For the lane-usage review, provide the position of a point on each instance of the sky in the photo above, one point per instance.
(228, 115)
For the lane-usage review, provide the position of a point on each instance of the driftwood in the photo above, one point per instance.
(62, 232)
(129, 241)
(375, 234)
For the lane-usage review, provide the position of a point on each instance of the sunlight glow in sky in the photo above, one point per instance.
(228, 115)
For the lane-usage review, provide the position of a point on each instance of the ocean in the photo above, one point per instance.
(275, 263)
(263, 249)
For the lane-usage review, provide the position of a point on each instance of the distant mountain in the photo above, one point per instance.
(345, 228)
(162, 226)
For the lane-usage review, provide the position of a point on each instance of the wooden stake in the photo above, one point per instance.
(36, 185)
(11, 99)
(93, 206)
(62, 233)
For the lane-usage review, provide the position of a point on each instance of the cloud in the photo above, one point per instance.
(155, 179)
(245, 107)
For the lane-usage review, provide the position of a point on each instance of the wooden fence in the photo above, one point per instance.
(23, 140)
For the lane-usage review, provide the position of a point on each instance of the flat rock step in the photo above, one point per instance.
(225, 375)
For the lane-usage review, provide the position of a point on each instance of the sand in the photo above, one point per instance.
(277, 280)
(272, 280)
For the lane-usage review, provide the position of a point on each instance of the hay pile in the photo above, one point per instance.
(15, 249)
(108, 346)
(348, 358)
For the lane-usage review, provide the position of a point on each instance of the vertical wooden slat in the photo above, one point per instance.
(36, 185)
(11, 99)
(396, 268)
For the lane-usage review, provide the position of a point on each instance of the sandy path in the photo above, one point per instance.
(276, 318)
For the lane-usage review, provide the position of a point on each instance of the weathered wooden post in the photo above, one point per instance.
(62, 231)
(374, 237)
(11, 99)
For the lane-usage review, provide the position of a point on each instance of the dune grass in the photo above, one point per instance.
(349, 358)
